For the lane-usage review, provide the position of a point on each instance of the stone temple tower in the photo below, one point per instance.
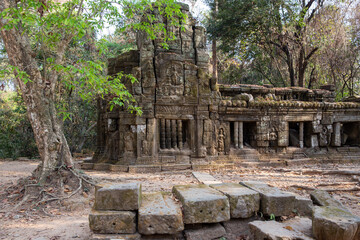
(175, 94)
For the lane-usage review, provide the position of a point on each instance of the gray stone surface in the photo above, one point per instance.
(112, 221)
(303, 206)
(273, 200)
(300, 224)
(208, 232)
(323, 198)
(236, 228)
(244, 202)
(135, 236)
(272, 230)
(124, 196)
(334, 223)
(205, 178)
(159, 214)
(202, 204)
(178, 236)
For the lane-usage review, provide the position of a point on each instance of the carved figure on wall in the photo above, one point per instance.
(129, 145)
(146, 148)
(221, 140)
(273, 134)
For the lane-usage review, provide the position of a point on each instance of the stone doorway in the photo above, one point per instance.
(350, 134)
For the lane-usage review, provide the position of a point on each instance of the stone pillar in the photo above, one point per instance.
(179, 130)
(241, 135)
(301, 134)
(168, 134)
(162, 134)
(236, 134)
(173, 134)
(336, 138)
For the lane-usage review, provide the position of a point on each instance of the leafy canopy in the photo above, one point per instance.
(52, 26)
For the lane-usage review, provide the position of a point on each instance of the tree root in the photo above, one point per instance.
(64, 183)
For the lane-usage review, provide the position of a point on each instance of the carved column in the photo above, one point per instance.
(337, 135)
(162, 133)
(236, 134)
(241, 135)
(301, 134)
(179, 129)
(173, 134)
(168, 133)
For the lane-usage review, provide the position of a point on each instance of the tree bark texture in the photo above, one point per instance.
(38, 95)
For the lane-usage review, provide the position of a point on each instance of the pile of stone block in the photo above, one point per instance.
(217, 211)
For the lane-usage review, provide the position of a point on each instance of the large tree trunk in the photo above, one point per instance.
(38, 95)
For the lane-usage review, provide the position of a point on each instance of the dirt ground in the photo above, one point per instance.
(69, 219)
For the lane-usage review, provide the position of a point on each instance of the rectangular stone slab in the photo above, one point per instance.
(159, 214)
(202, 204)
(211, 231)
(244, 202)
(273, 200)
(273, 230)
(124, 196)
(334, 223)
(112, 221)
(134, 236)
(205, 178)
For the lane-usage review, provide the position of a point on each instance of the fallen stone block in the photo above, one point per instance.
(205, 178)
(302, 205)
(323, 198)
(134, 236)
(202, 204)
(101, 166)
(119, 168)
(112, 221)
(300, 224)
(236, 228)
(159, 214)
(145, 169)
(272, 230)
(124, 196)
(335, 223)
(86, 166)
(244, 202)
(178, 236)
(211, 231)
(273, 200)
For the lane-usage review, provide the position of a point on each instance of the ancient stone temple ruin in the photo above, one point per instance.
(188, 118)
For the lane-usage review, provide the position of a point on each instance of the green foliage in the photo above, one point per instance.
(54, 26)
(272, 217)
(16, 136)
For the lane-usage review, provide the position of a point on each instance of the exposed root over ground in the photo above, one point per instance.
(62, 184)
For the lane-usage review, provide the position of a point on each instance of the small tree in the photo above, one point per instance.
(38, 35)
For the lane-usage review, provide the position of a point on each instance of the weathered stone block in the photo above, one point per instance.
(323, 198)
(119, 168)
(273, 200)
(273, 230)
(125, 196)
(145, 169)
(244, 202)
(237, 227)
(333, 223)
(159, 214)
(112, 221)
(212, 231)
(86, 166)
(134, 236)
(303, 206)
(101, 166)
(202, 204)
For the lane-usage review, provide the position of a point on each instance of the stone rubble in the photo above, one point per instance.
(204, 212)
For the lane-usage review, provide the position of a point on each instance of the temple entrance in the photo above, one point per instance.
(350, 134)
(294, 134)
(249, 134)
